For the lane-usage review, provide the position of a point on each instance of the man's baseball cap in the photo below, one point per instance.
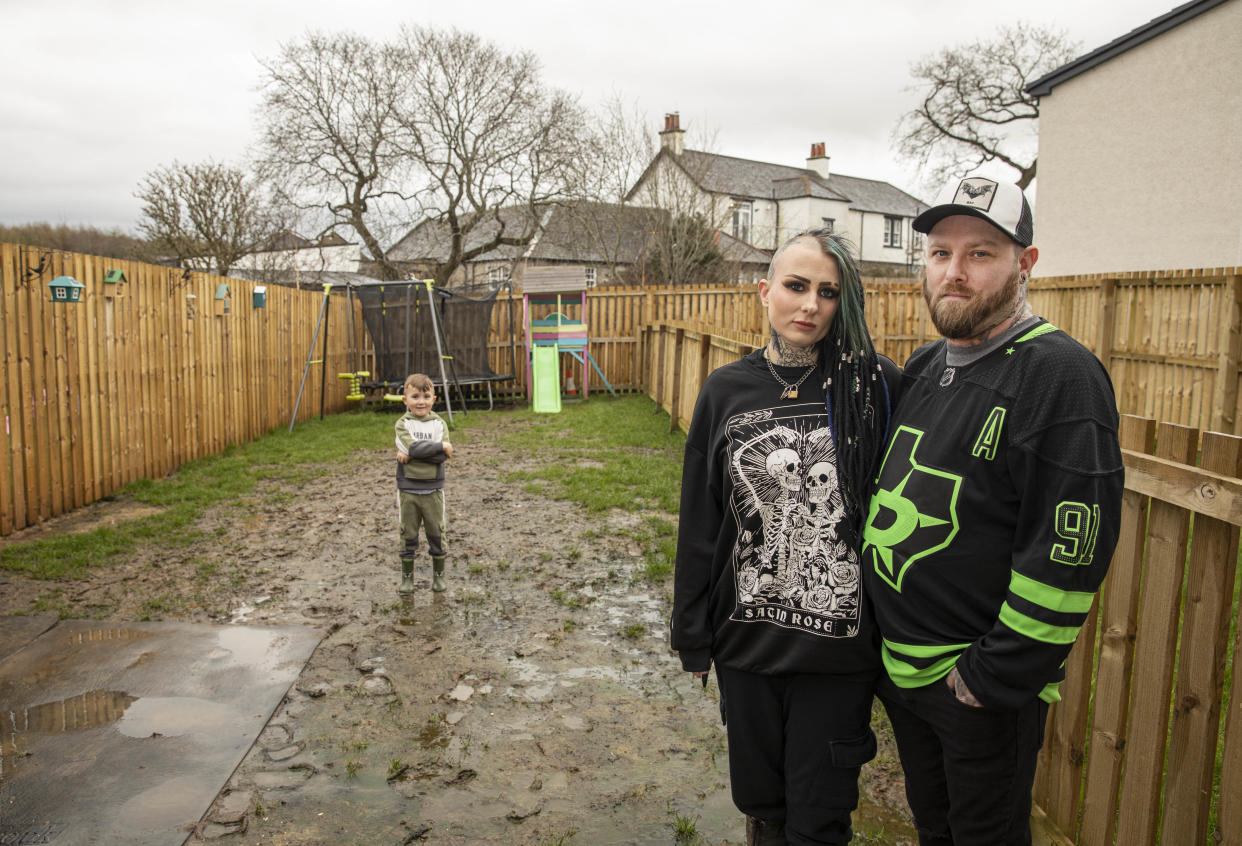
(1001, 204)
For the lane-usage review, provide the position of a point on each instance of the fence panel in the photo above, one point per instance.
(126, 384)
(1117, 609)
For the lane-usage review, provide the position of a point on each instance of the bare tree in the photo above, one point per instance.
(682, 220)
(206, 215)
(330, 132)
(484, 134)
(617, 148)
(973, 109)
(435, 126)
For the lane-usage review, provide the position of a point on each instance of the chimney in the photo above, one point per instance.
(672, 138)
(818, 162)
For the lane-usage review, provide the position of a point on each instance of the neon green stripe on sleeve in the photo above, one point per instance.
(1036, 629)
(906, 675)
(1046, 596)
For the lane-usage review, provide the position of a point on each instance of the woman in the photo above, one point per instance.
(781, 451)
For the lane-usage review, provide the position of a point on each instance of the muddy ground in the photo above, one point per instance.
(534, 702)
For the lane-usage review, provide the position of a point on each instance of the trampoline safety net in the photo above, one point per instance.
(397, 314)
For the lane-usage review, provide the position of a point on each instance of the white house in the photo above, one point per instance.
(291, 253)
(1140, 148)
(764, 204)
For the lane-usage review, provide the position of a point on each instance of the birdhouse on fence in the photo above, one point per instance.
(114, 283)
(223, 297)
(260, 296)
(66, 289)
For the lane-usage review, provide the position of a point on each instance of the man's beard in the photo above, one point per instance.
(957, 320)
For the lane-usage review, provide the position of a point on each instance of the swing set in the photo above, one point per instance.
(415, 327)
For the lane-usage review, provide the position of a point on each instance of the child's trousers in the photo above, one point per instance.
(426, 512)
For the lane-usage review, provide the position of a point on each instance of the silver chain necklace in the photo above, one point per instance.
(791, 390)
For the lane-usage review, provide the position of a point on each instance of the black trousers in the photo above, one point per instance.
(969, 771)
(796, 745)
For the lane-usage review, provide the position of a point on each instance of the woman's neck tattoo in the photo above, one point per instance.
(780, 351)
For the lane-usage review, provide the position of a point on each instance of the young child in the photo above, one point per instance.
(422, 449)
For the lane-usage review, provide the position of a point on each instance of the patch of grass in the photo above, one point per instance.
(658, 538)
(612, 452)
(206, 570)
(571, 601)
(315, 448)
(52, 602)
(686, 831)
(634, 631)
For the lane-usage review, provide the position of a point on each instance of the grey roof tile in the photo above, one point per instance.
(763, 180)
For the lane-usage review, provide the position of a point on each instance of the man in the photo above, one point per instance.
(992, 523)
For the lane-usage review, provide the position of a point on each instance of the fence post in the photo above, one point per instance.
(674, 417)
(1106, 331)
(1225, 397)
(705, 356)
(661, 341)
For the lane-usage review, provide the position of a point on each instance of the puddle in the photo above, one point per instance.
(259, 649)
(104, 635)
(435, 736)
(75, 714)
(173, 716)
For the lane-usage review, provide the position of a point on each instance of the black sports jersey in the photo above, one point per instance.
(764, 580)
(995, 515)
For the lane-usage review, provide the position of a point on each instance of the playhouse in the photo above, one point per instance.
(557, 294)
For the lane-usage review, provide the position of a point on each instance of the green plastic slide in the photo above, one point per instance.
(545, 374)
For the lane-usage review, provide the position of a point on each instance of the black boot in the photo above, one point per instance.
(764, 833)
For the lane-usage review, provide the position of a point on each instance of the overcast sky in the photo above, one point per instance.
(96, 93)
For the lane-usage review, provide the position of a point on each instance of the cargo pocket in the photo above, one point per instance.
(853, 752)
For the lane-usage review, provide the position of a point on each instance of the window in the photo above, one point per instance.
(742, 212)
(828, 223)
(497, 275)
(589, 274)
(892, 231)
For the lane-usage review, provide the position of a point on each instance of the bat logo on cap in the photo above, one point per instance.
(976, 193)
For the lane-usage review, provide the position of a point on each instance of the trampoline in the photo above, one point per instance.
(419, 328)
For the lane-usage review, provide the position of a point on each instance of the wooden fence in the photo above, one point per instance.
(126, 385)
(1147, 742)
(1137, 752)
(1172, 341)
(116, 388)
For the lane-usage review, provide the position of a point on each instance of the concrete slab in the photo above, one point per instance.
(126, 733)
(16, 632)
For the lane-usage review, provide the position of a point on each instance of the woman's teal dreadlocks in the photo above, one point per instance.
(857, 394)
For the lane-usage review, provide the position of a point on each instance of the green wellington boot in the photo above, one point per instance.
(437, 568)
(407, 576)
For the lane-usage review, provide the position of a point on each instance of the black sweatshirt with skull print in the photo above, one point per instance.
(765, 581)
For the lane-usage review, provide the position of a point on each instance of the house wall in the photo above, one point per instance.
(803, 213)
(764, 234)
(344, 258)
(870, 242)
(1140, 158)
